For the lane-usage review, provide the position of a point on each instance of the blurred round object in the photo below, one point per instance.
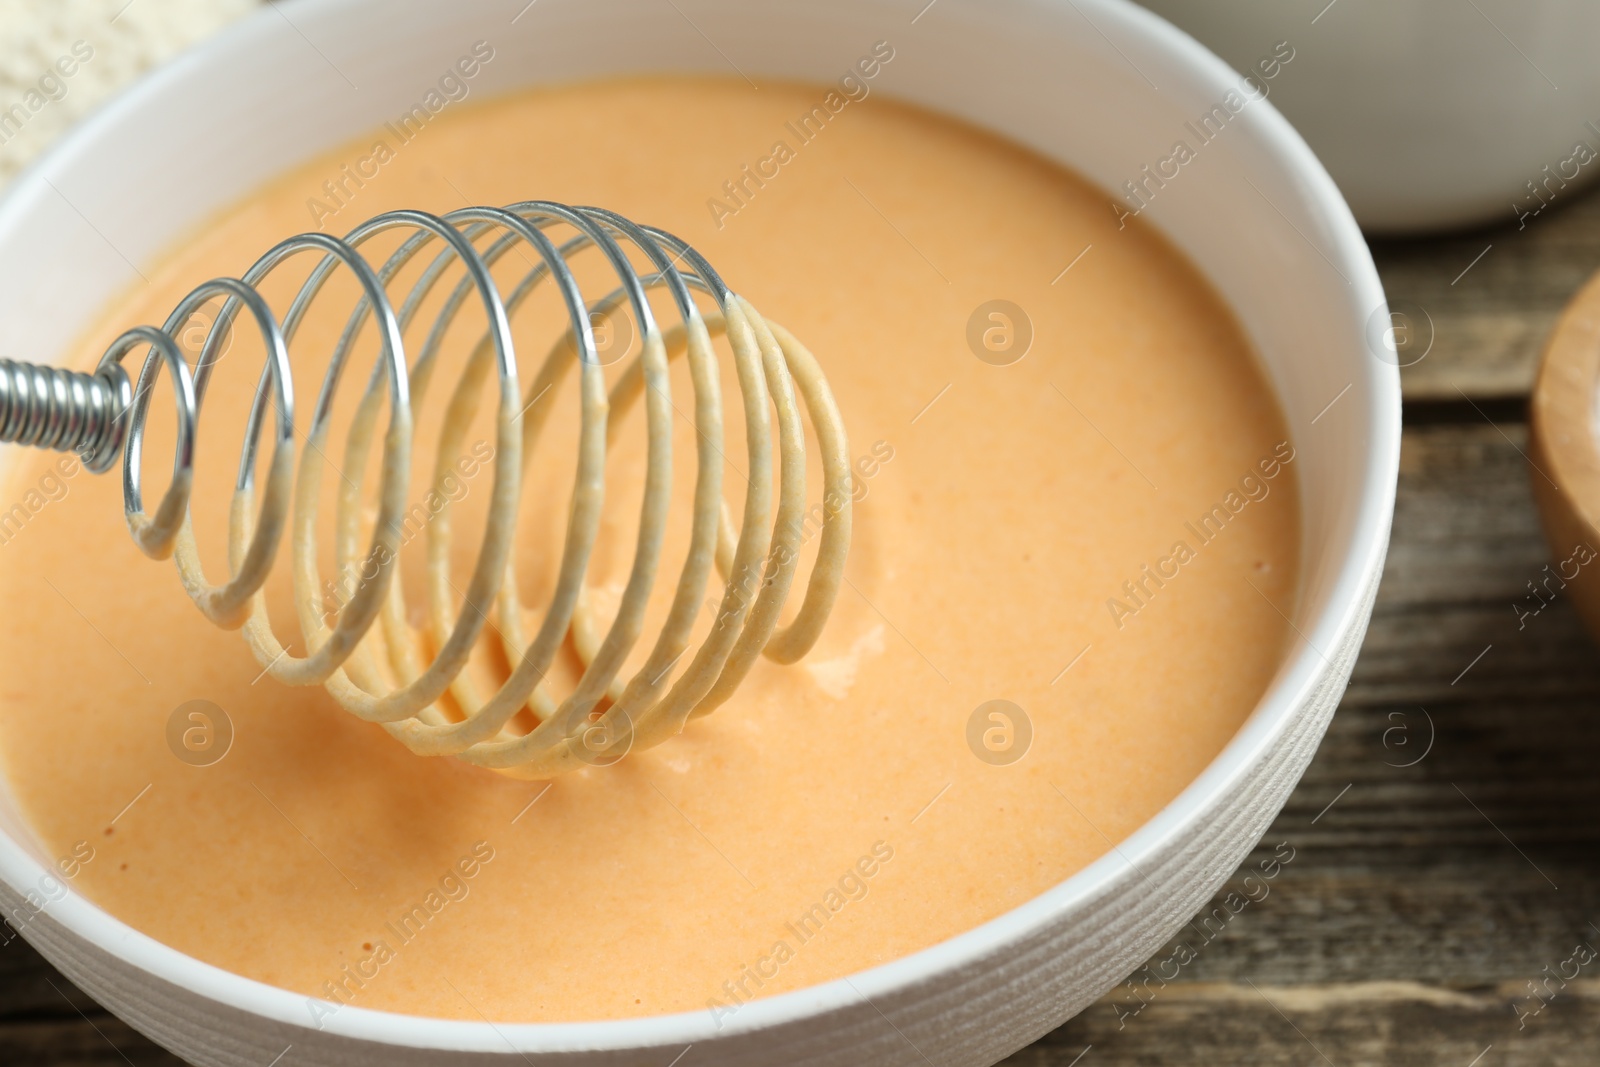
(1428, 113)
(1564, 453)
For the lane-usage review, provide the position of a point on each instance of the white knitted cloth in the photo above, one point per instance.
(103, 43)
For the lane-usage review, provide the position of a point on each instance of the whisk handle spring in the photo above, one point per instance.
(69, 411)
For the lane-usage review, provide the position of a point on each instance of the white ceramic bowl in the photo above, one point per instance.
(1076, 81)
(1428, 113)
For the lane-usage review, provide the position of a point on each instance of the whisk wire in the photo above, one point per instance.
(365, 649)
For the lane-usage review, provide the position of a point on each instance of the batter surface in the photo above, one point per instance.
(1087, 509)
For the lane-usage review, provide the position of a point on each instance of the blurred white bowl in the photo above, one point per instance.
(1256, 212)
(1428, 113)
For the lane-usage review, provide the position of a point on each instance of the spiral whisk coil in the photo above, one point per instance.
(370, 656)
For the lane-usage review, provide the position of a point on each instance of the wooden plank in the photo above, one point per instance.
(1393, 1024)
(90, 1040)
(25, 984)
(1490, 323)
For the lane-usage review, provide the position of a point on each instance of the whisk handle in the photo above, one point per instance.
(69, 411)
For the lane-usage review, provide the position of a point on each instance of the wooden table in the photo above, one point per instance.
(1422, 900)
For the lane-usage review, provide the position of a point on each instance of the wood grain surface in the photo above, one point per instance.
(1444, 838)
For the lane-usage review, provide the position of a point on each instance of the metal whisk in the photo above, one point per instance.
(386, 673)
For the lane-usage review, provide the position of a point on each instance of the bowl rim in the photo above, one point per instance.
(1292, 687)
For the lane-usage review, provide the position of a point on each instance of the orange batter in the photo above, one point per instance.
(1102, 533)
